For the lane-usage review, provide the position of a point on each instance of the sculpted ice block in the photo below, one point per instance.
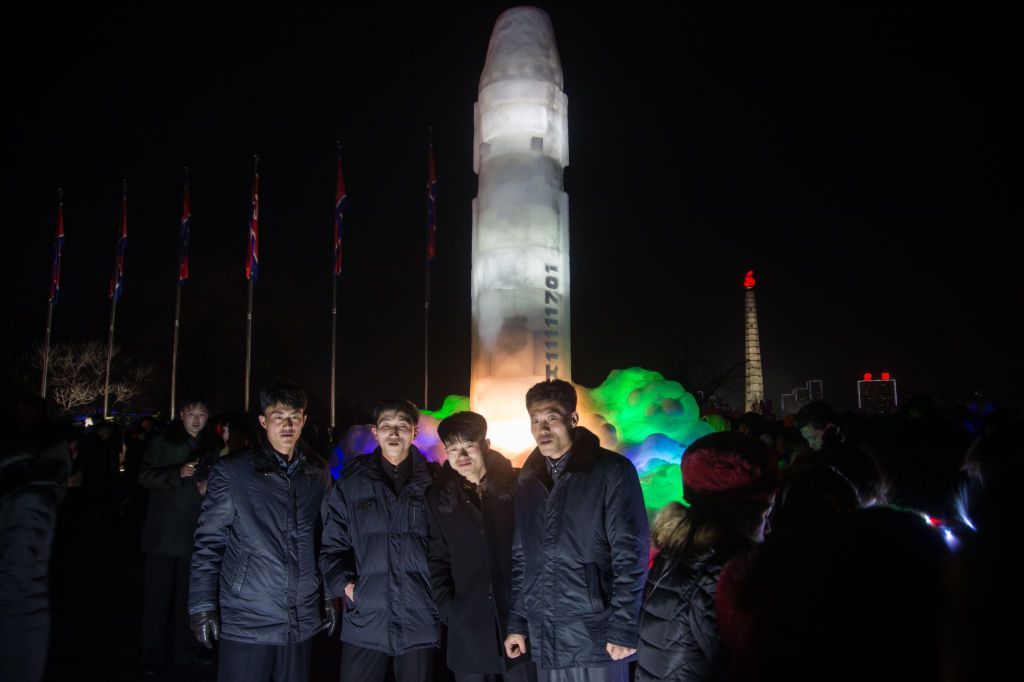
(520, 277)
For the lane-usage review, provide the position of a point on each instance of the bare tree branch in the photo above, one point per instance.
(77, 371)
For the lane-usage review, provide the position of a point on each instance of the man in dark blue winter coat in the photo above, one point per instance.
(375, 554)
(581, 547)
(255, 580)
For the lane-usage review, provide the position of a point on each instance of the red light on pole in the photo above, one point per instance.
(885, 376)
(867, 376)
(748, 281)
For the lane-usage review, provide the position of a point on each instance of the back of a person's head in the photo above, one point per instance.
(751, 423)
(860, 468)
(812, 497)
(728, 481)
(868, 604)
(817, 414)
(728, 465)
(886, 585)
(993, 466)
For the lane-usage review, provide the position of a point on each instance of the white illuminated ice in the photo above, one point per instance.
(520, 279)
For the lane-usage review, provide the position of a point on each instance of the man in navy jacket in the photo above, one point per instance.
(375, 554)
(255, 581)
(581, 547)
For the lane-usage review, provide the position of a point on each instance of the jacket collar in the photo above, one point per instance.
(585, 446)
(500, 481)
(264, 460)
(368, 465)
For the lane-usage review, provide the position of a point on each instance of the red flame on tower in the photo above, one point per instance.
(748, 281)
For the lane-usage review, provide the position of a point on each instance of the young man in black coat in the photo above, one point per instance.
(255, 580)
(581, 547)
(173, 469)
(472, 517)
(375, 554)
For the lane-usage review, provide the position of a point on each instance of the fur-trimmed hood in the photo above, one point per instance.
(500, 481)
(668, 532)
(676, 533)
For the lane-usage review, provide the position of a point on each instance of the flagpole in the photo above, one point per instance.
(248, 346)
(251, 273)
(177, 315)
(110, 352)
(426, 270)
(46, 346)
(53, 294)
(334, 295)
(334, 343)
(426, 334)
(113, 305)
(174, 349)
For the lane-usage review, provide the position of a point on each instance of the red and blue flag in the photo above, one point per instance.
(117, 279)
(183, 237)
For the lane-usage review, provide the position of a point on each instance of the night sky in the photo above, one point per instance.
(857, 161)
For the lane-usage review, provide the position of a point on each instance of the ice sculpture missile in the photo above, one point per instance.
(520, 250)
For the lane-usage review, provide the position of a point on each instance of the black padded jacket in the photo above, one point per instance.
(256, 547)
(378, 540)
(678, 626)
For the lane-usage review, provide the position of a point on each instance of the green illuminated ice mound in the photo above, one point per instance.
(451, 405)
(641, 403)
(662, 484)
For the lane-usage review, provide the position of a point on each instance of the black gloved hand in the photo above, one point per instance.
(331, 616)
(205, 626)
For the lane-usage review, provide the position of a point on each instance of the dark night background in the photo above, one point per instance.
(857, 160)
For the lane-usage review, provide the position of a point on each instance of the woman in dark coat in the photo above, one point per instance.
(729, 481)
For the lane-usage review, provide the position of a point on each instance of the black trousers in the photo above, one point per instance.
(244, 662)
(166, 637)
(366, 665)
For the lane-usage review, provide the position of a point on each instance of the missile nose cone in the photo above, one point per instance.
(522, 46)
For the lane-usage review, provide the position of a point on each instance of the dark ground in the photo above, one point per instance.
(97, 609)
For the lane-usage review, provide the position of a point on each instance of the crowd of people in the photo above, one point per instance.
(820, 546)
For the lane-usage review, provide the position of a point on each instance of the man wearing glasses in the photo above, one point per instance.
(374, 553)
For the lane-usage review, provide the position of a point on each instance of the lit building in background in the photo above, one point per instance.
(811, 391)
(753, 396)
(816, 390)
(877, 396)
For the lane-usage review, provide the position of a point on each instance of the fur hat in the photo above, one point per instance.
(731, 464)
